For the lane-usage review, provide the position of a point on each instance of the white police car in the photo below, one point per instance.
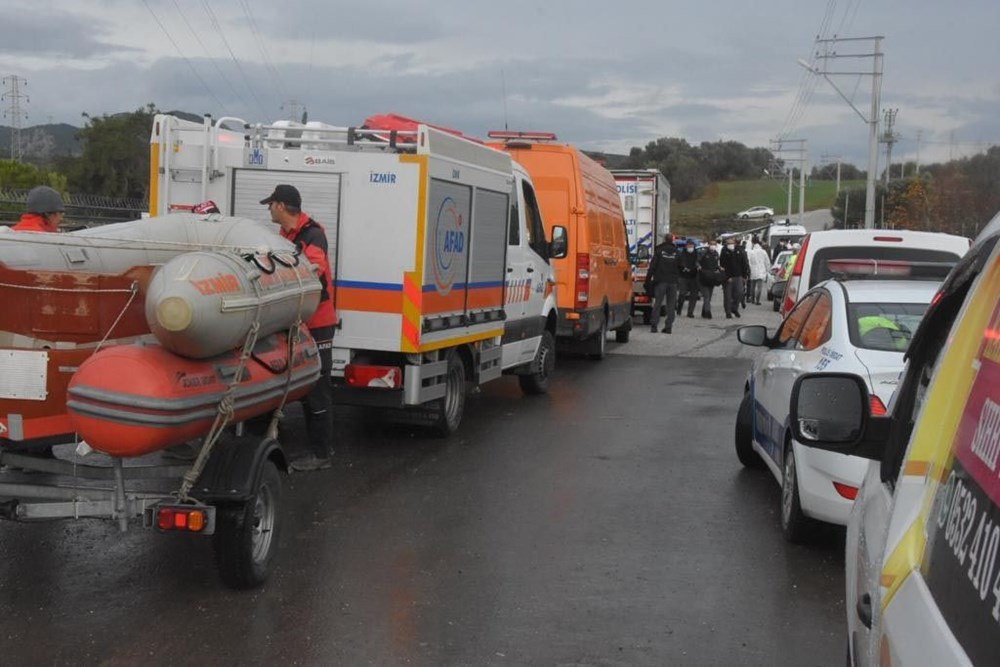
(860, 327)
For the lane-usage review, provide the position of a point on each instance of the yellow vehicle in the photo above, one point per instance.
(923, 542)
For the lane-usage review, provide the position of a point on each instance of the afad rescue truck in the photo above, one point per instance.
(439, 252)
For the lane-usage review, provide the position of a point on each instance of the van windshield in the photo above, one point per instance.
(923, 263)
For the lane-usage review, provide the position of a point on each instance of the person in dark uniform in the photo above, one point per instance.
(709, 275)
(285, 206)
(734, 264)
(664, 275)
(688, 265)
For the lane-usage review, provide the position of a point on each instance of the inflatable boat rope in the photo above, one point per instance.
(226, 408)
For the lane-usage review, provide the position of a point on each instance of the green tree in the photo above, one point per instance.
(115, 160)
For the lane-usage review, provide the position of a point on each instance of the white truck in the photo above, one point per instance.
(645, 195)
(440, 260)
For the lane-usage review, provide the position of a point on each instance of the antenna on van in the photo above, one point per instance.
(503, 84)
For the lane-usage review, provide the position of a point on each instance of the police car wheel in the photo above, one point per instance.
(795, 525)
(744, 434)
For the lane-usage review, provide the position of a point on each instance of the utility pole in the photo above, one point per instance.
(801, 159)
(920, 135)
(825, 54)
(889, 138)
(831, 158)
(13, 111)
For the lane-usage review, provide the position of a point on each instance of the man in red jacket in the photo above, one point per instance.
(44, 211)
(285, 206)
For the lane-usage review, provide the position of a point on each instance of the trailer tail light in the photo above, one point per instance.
(582, 281)
(792, 288)
(846, 490)
(373, 377)
(877, 407)
(186, 518)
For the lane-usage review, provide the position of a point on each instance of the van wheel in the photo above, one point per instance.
(246, 535)
(624, 332)
(794, 524)
(537, 382)
(448, 410)
(744, 434)
(776, 304)
(647, 315)
(598, 343)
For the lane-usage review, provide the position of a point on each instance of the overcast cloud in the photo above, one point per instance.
(607, 76)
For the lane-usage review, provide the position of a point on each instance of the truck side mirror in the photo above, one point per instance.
(559, 245)
(831, 411)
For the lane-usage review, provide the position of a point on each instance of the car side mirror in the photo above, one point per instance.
(831, 411)
(559, 245)
(754, 334)
(778, 289)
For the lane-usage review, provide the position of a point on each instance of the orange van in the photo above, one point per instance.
(594, 280)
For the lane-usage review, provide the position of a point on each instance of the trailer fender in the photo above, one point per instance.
(232, 471)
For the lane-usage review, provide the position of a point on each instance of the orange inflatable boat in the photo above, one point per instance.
(131, 400)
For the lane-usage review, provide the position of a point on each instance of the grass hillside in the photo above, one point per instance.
(722, 200)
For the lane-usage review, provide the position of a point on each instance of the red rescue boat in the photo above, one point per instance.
(131, 400)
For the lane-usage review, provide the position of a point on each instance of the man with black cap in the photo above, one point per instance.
(44, 211)
(285, 206)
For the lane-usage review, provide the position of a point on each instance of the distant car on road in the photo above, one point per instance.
(756, 212)
(862, 327)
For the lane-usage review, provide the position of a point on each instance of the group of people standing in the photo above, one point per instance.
(678, 275)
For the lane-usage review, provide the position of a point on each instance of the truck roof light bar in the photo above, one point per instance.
(526, 136)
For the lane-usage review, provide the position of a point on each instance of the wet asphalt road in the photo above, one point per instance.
(608, 523)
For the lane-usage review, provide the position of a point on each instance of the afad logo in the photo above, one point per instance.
(449, 245)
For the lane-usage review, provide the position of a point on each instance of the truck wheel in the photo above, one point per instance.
(794, 523)
(537, 382)
(744, 434)
(598, 343)
(448, 410)
(246, 535)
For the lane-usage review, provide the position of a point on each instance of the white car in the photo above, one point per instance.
(860, 327)
(756, 212)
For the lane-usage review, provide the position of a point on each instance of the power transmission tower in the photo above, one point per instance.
(826, 53)
(13, 111)
(292, 107)
(801, 159)
(889, 138)
(920, 136)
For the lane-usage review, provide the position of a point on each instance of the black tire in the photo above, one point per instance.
(795, 525)
(647, 315)
(448, 410)
(744, 217)
(744, 434)
(776, 304)
(537, 382)
(597, 346)
(246, 534)
(624, 332)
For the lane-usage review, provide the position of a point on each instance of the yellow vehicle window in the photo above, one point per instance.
(793, 323)
(816, 329)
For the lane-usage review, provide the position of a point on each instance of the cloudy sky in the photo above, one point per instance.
(603, 75)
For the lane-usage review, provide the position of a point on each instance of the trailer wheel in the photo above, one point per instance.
(449, 409)
(246, 535)
(537, 382)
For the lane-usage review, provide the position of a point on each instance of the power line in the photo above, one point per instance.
(207, 53)
(239, 66)
(181, 53)
(263, 49)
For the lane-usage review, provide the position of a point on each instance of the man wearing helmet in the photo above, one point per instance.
(44, 211)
